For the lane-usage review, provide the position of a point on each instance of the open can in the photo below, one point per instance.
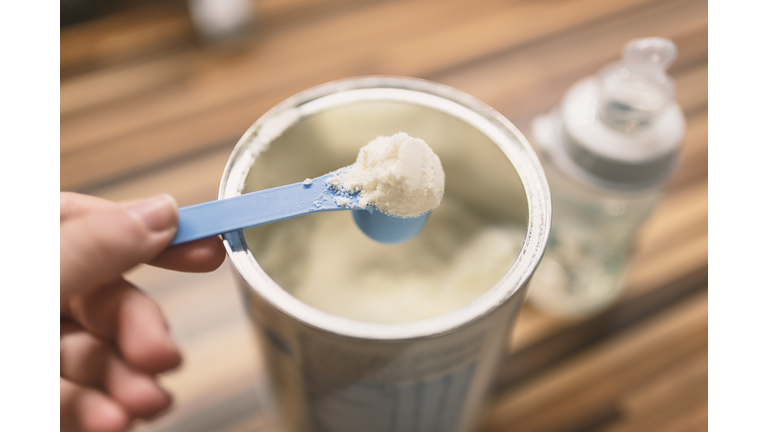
(329, 372)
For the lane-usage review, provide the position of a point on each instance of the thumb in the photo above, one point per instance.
(97, 247)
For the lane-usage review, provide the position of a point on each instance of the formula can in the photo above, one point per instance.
(330, 373)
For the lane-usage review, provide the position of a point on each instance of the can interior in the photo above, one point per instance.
(484, 194)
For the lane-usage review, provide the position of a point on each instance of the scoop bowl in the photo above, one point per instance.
(388, 229)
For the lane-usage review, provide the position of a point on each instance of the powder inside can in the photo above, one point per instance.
(328, 263)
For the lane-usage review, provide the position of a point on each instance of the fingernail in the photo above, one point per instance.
(157, 213)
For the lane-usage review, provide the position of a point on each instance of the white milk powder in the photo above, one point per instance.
(399, 175)
(327, 262)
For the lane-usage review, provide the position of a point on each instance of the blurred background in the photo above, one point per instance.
(154, 95)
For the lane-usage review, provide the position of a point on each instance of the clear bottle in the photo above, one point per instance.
(607, 151)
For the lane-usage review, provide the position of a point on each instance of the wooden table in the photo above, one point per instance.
(147, 107)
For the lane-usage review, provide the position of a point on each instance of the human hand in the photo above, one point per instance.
(114, 339)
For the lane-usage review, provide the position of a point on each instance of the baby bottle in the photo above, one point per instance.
(608, 152)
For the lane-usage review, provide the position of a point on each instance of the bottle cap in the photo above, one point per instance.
(623, 127)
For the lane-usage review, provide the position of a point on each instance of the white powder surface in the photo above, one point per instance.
(399, 175)
(328, 263)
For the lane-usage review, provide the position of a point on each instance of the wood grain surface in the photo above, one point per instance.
(147, 106)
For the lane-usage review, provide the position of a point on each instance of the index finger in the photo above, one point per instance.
(202, 255)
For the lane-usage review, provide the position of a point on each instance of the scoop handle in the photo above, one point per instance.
(255, 208)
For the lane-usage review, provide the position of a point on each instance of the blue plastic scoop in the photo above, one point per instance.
(285, 202)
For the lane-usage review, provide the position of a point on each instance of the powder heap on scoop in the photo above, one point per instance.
(399, 175)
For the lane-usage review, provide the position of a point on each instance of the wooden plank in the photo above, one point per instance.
(695, 152)
(581, 391)
(692, 85)
(152, 28)
(666, 400)
(662, 393)
(149, 29)
(279, 61)
(189, 181)
(490, 34)
(91, 91)
(544, 341)
(151, 148)
(682, 215)
(115, 80)
(140, 147)
(693, 419)
(229, 407)
(663, 267)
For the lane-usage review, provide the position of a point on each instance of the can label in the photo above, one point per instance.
(353, 391)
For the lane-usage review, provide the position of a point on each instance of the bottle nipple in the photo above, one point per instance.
(634, 91)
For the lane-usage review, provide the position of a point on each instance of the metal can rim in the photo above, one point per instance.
(465, 107)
